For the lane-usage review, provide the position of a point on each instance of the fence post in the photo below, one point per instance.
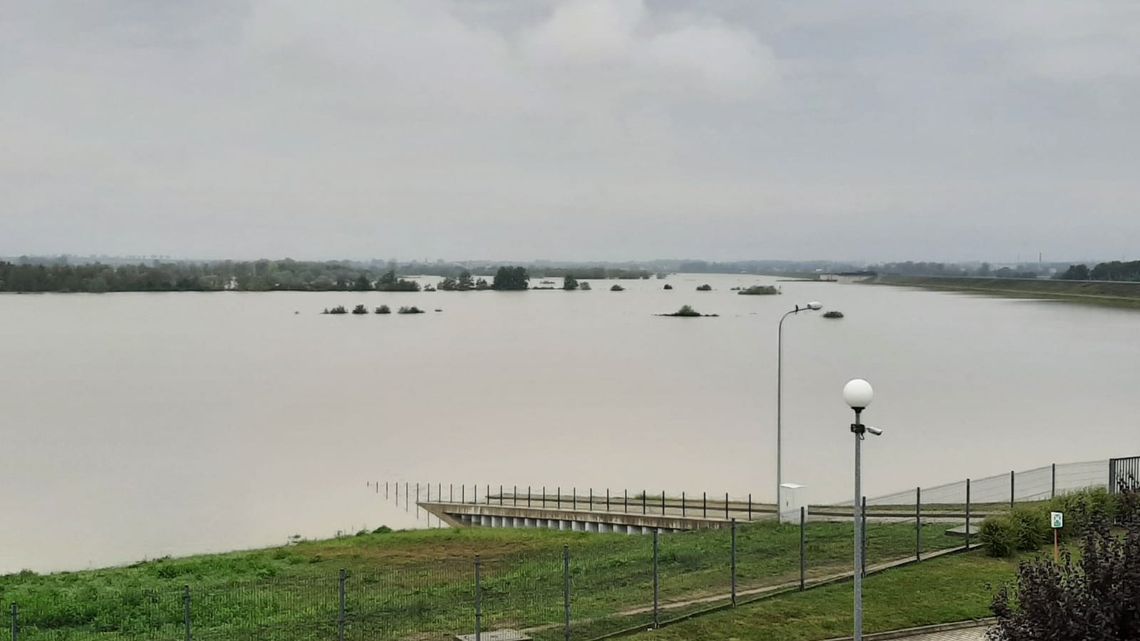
(625, 495)
(1011, 489)
(967, 514)
(644, 509)
(734, 563)
(478, 599)
(15, 622)
(863, 569)
(475, 494)
(450, 492)
(682, 503)
(750, 506)
(528, 496)
(544, 497)
(656, 579)
(591, 508)
(340, 617)
(558, 498)
(662, 502)
(407, 494)
(487, 496)
(385, 490)
(463, 493)
(918, 524)
(607, 499)
(515, 495)
(803, 547)
(185, 614)
(566, 591)
(1053, 490)
(704, 505)
(726, 505)
(417, 499)
(574, 498)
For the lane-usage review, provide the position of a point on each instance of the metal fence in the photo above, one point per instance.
(561, 585)
(582, 587)
(1038, 484)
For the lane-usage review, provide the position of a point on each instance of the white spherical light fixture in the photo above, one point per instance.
(858, 394)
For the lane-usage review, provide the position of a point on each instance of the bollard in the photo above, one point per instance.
(734, 563)
(185, 613)
(656, 579)
(340, 616)
(566, 592)
(478, 600)
(803, 548)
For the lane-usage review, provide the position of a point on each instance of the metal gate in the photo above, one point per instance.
(1123, 474)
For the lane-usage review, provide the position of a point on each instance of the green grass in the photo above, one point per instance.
(1121, 294)
(947, 589)
(419, 584)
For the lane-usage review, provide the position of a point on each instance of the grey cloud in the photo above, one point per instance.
(575, 129)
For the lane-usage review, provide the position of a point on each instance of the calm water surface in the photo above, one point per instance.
(142, 425)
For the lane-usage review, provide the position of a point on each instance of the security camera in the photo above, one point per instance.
(876, 431)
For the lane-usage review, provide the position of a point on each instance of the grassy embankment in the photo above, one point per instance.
(943, 590)
(420, 584)
(1122, 294)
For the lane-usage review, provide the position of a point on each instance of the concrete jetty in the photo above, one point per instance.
(640, 515)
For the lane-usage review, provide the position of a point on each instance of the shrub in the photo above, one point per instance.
(383, 309)
(704, 288)
(383, 529)
(617, 288)
(759, 290)
(1030, 527)
(1093, 598)
(998, 535)
(1084, 509)
(686, 310)
(339, 309)
(360, 309)
(410, 310)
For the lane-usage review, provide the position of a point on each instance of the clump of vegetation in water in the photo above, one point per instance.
(687, 311)
(667, 286)
(617, 288)
(383, 309)
(410, 310)
(835, 313)
(339, 309)
(388, 282)
(704, 288)
(759, 290)
(360, 309)
(584, 286)
(569, 283)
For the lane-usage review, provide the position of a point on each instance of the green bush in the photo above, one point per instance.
(998, 535)
(1030, 527)
(1084, 508)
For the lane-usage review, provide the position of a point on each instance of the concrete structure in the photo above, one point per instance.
(564, 518)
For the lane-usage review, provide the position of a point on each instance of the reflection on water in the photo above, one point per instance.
(140, 425)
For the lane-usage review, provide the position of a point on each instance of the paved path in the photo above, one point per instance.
(968, 634)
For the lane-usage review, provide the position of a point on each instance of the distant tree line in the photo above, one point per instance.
(1114, 270)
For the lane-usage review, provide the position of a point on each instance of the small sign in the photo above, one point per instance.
(1058, 520)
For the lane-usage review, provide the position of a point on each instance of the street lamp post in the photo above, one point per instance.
(858, 394)
(812, 306)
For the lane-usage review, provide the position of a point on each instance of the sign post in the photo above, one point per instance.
(1057, 521)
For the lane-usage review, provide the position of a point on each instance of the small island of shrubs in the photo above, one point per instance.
(383, 309)
(704, 288)
(759, 290)
(687, 311)
(835, 313)
(617, 288)
(410, 310)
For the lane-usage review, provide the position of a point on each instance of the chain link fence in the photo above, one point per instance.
(578, 586)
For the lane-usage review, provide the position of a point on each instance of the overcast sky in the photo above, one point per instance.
(571, 129)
